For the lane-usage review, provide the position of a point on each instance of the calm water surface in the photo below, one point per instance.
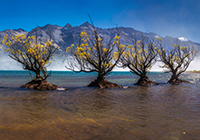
(162, 112)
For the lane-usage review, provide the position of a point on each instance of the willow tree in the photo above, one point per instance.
(176, 61)
(93, 54)
(139, 58)
(34, 56)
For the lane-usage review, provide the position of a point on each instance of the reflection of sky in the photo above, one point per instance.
(174, 18)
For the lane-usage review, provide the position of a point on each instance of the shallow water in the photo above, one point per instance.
(165, 112)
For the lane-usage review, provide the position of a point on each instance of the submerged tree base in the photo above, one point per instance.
(145, 82)
(103, 84)
(177, 81)
(40, 85)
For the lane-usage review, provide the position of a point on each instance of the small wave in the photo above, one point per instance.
(60, 88)
(192, 82)
(125, 86)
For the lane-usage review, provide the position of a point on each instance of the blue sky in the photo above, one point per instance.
(174, 18)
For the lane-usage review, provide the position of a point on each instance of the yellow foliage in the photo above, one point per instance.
(121, 46)
(5, 38)
(89, 49)
(157, 38)
(83, 34)
(7, 50)
(31, 49)
(159, 51)
(115, 55)
(116, 37)
(114, 42)
(129, 46)
(139, 51)
(106, 49)
(138, 42)
(194, 52)
(99, 39)
(91, 52)
(32, 37)
(183, 48)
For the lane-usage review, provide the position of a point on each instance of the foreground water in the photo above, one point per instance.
(162, 112)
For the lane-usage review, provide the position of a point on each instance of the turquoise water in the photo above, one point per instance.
(72, 79)
(161, 112)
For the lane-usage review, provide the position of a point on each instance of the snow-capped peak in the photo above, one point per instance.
(157, 36)
(183, 39)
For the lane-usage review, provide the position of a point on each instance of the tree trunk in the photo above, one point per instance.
(100, 78)
(174, 80)
(37, 73)
(144, 81)
(39, 77)
(40, 85)
(101, 82)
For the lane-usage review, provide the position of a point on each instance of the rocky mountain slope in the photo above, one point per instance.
(63, 37)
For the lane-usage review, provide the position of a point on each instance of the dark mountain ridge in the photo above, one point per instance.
(63, 37)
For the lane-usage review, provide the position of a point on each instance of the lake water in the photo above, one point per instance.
(161, 112)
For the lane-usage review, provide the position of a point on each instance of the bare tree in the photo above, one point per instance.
(33, 54)
(176, 61)
(94, 54)
(140, 57)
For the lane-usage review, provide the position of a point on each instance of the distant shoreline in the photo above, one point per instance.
(193, 71)
(190, 71)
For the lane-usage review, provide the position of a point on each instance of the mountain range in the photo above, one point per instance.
(63, 37)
